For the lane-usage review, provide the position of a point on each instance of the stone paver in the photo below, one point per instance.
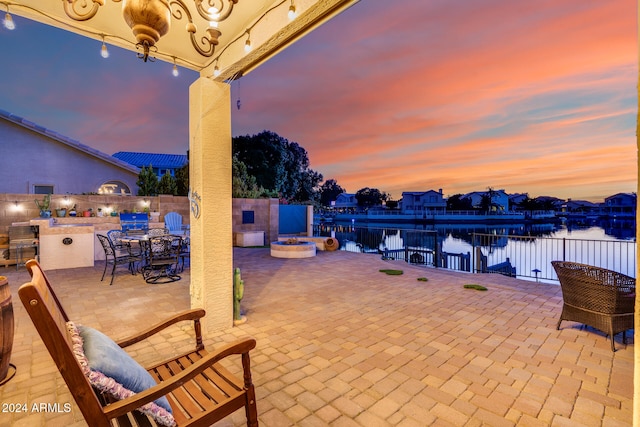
(341, 344)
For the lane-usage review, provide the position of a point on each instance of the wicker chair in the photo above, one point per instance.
(597, 297)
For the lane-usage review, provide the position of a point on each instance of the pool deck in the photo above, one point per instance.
(341, 344)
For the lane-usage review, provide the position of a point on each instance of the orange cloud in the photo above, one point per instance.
(527, 96)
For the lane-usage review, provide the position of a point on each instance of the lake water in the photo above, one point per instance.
(530, 247)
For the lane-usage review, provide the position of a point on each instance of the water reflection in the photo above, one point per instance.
(530, 247)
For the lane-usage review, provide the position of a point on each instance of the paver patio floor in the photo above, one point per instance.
(341, 344)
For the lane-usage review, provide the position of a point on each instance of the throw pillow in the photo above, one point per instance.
(111, 370)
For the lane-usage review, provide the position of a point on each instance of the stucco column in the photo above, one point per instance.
(210, 194)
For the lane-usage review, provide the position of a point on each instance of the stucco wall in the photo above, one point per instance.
(30, 158)
(265, 217)
(265, 210)
(26, 208)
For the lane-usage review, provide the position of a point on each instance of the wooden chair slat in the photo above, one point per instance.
(184, 400)
(195, 391)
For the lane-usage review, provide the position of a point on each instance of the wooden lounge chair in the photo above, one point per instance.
(594, 296)
(199, 390)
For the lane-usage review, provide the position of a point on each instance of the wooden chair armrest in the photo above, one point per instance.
(121, 407)
(194, 314)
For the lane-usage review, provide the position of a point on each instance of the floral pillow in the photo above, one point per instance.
(112, 371)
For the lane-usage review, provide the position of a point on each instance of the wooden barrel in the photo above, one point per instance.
(6, 326)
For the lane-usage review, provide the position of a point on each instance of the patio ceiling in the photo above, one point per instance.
(265, 22)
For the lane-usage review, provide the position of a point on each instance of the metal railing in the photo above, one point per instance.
(531, 256)
(518, 256)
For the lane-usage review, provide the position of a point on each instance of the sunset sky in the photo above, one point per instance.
(407, 95)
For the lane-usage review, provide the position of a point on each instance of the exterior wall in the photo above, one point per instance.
(502, 199)
(265, 217)
(417, 203)
(620, 204)
(166, 204)
(27, 210)
(346, 200)
(266, 210)
(39, 160)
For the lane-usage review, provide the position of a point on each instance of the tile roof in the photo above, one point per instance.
(173, 161)
(66, 141)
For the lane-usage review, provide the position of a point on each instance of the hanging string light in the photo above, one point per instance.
(103, 51)
(175, 71)
(247, 44)
(292, 11)
(7, 22)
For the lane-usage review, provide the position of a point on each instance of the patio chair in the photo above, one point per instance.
(597, 297)
(117, 256)
(158, 231)
(185, 252)
(163, 257)
(173, 221)
(115, 236)
(195, 388)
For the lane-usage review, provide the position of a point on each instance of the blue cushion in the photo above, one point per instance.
(107, 357)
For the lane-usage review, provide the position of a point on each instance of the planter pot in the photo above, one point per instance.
(72, 213)
(114, 213)
(86, 214)
(45, 214)
(61, 213)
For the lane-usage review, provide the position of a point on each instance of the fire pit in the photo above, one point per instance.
(292, 248)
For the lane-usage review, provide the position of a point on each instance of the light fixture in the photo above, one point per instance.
(7, 22)
(149, 20)
(216, 70)
(175, 71)
(292, 11)
(247, 44)
(103, 51)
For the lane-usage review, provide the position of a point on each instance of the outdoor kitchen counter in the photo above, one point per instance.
(71, 242)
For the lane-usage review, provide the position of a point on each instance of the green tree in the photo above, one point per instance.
(368, 197)
(243, 184)
(182, 179)
(329, 191)
(458, 202)
(278, 165)
(528, 204)
(147, 182)
(167, 185)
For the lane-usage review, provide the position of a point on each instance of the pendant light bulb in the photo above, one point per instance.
(247, 44)
(103, 51)
(8, 22)
(216, 71)
(175, 71)
(292, 11)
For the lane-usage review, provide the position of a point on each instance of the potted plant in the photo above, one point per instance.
(61, 212)
(44, 206)
(87, 213)
(72, 211)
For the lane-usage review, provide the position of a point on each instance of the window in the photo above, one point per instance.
(114, 187)
(248, 217)
(43, 189)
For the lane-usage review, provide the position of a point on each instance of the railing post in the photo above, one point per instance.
(564, 248)
(436, 251)
(473, 252)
